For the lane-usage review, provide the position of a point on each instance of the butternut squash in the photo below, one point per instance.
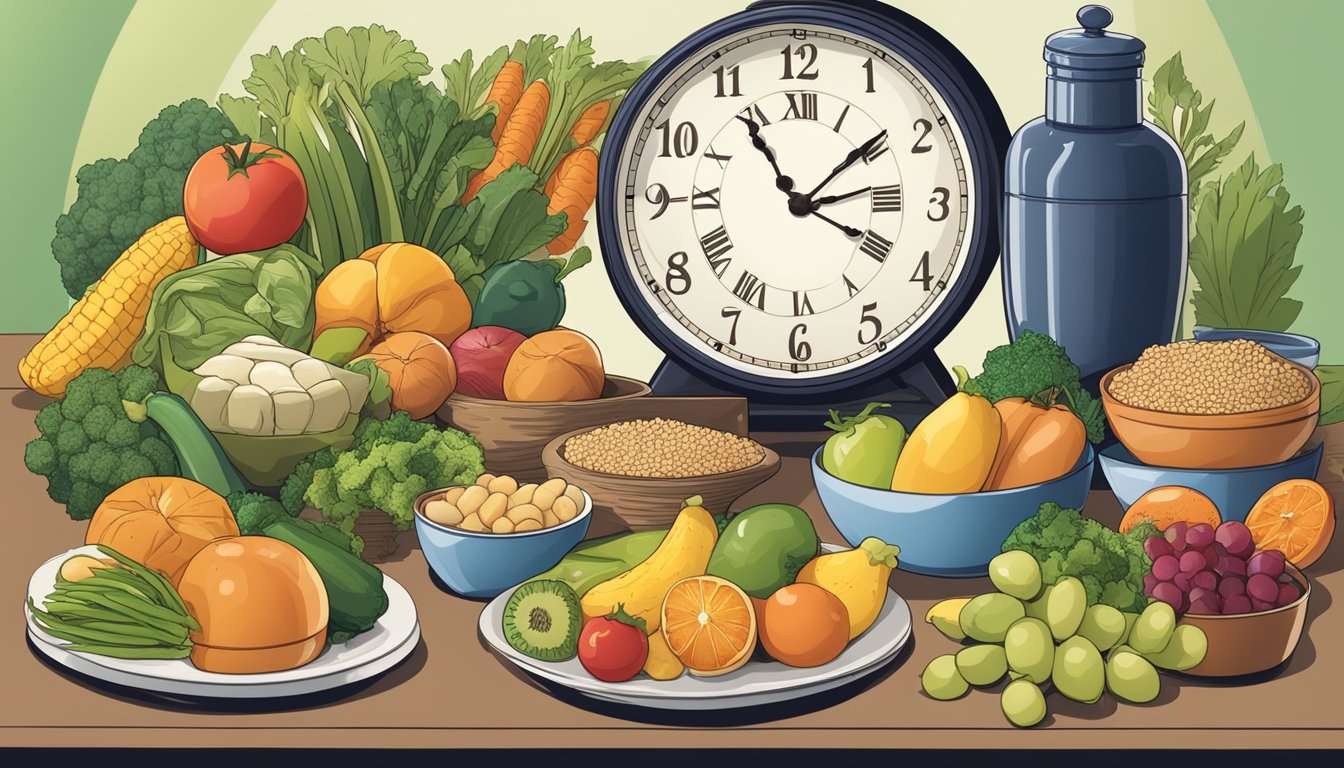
(1036, 444)
(684, 553)
(952, 450)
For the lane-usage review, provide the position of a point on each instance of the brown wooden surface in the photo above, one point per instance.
(454, 693)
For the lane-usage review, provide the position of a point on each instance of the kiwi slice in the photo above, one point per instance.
(541, 620)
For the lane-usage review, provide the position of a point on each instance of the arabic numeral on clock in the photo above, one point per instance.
(736, 314)
(657, 195)
(922, 274)
(868, 68)
(939, 201)
(866, 318)
(727, 76)
(807, 57)
(925, 128)
(678, 279)
(683, 141)
(798, 349)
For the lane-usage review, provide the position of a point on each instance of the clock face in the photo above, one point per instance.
(794, 201)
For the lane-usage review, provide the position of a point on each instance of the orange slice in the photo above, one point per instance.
(1296, 517)
(1169, 504)
(709, 624)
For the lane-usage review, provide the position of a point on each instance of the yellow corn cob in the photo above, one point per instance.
(100, 329)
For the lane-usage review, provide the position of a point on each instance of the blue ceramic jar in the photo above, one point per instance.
(1095, 240)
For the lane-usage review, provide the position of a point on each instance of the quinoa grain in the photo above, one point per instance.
(661, 448)
(1210, 377)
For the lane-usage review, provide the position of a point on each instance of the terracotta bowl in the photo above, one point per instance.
(1223, 441)
(514, 434)
(646, 503)
(1244, 644)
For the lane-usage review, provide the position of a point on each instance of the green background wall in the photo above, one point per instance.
(117, 61)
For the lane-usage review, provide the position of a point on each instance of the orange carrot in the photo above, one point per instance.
(572, 189)
(505, 91)
(518, 139)
(590, 122)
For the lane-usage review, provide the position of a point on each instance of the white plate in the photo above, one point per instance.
(755, 684)
(367, 655)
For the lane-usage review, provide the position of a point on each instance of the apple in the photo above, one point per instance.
(481, 355)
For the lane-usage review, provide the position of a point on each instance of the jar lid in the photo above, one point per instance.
(1092, 47)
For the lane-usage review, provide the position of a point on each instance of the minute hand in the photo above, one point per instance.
(853, 157)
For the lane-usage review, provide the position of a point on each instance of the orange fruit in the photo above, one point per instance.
(709, 624)
(1169, 504)
(803, 625)
(1296, 517)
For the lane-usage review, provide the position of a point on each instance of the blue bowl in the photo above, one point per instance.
(1303, 350)
(483, 565)
(1233, 491)
(947, 534)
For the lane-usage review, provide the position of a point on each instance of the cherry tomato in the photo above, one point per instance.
(613, 648)
(244, 197)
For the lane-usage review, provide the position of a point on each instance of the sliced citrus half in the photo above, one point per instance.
(709, 625)
(1296, 517)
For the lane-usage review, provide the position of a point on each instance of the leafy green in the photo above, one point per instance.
(506, 221)
(199, 311)
(1332, 393)
(1177, 108)
(118, 200)
(1035, 365)
(1110, 565)
(1245, 240)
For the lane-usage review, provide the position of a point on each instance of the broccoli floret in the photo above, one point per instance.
(89, 445)
(254, 511)
(119, 199)
(1034, 366)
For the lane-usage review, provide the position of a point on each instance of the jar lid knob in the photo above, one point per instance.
(1094, 19)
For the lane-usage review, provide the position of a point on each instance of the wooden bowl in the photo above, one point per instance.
(646, 503)
(1243, 644)
(1218, 441)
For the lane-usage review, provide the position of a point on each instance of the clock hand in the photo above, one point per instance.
(850, 159)
(782, 182)
(827, 200)
(849, 231)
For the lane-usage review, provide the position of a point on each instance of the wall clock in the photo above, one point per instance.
(798, 202)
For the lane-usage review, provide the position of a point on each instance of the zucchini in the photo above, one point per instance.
(355, 592)
(198, 452)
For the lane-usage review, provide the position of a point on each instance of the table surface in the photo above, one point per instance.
(453, 692)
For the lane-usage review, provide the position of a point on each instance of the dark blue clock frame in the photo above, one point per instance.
(910, 377)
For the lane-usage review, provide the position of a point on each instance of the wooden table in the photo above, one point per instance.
(452, 692)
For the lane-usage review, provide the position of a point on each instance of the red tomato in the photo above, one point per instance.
(244, 197)
(614, 648)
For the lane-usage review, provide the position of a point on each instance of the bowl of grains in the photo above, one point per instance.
(640, 470)
(1211, 405)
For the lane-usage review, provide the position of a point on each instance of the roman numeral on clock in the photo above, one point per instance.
(802, 305)
(701, 199)
(887, 199)
(849, 286)
(802, 106)
(754, 113)
(722, 160)
(750, 289)
(879, 149)
(716, 243)
(875, 246)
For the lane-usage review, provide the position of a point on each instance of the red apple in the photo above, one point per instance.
(481, 355)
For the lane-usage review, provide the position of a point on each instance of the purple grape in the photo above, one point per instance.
(1268, 562)
(1200, 593)
(1236, 604)
(1230, 566)
(1263, 588)
(1287, 594)
(1166, 567)
(1199, 536)
(1210, 557)
(1220, 549)
(1205, 580)
(1156, 546)
(1260, 605)
(1175, 535)
(1236, 538)
(1149, 581)
(1192, 561)
(1231, 586)
(1285, 579)
(1207, 606)
(1183, 581)
(1170, 594)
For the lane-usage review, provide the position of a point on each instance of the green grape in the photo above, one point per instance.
(1036, 608)
(1065, 607)
(1079, 672)
(1131, 677)
(1153, 629)
(982, 664)
(1103, 625)
(1029, 649)
(942, 681)
(1016, 573)
(1130, 618)
(987, 617)
(1023, 703)
(1185, 649)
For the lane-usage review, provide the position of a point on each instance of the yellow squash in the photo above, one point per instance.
(684, 553)
(952, 450)
(858, 577)
(662, 663)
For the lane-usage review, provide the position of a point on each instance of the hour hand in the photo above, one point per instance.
(829, 199)
(850, 159)
(782, 182)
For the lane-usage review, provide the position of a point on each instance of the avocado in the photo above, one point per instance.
(764, 547)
